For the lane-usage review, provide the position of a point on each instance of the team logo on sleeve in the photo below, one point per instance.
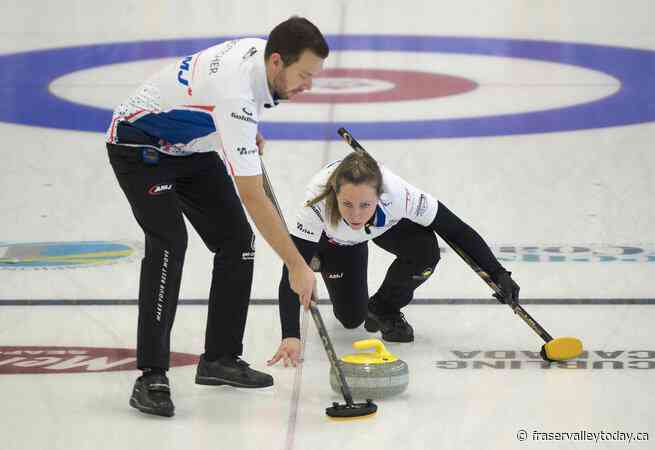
(422, 205)
(183, 74)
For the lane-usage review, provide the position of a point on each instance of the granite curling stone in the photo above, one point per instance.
(372, 375)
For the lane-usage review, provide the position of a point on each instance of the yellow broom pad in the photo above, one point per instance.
(563, 348)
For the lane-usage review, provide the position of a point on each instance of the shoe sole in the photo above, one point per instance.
(214, 381)
(386, 339)
(134, 403)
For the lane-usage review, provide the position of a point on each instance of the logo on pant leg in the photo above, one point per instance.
(159, 189)
(424, 275)
(161, 295)
(249, 256)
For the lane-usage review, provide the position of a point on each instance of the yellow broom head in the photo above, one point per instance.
(562, 348)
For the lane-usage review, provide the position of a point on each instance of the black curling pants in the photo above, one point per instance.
(417, 255)
(198, 187)
(344, 270)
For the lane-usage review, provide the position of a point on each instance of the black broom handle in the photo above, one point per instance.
(316, 314)
(518, 309)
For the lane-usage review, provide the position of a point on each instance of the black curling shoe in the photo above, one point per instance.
(152, 395)
(394, 326)
(232, 371)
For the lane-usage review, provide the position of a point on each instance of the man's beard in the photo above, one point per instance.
(280, 86)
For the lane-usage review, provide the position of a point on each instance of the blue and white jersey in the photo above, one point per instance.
(209, 101)
(399, 200)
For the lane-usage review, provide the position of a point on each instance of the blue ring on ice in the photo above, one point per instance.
(26, 76)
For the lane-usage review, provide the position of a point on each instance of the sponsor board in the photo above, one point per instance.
(586, 253)
(59, 255)
(55, 360)
(516, 360)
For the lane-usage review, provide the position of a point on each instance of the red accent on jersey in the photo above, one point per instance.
(225, 159)
(135, 114)
(209, 108)
(115, 120)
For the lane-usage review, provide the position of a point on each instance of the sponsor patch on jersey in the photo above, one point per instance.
(243, 151)
(243, 117)
(303, 229)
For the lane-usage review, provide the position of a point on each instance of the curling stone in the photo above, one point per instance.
(372, 375)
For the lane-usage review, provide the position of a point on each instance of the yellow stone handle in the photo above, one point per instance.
(379, 347)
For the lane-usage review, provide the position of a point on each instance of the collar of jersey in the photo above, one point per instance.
(379, 219)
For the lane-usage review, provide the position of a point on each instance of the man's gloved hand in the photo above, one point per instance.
(509, 288)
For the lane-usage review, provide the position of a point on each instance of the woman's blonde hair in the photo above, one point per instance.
(356, 168)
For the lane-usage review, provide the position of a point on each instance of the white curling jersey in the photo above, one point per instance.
(209, 101)
(399, 200)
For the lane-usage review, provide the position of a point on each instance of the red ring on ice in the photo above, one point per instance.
(407, 85)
